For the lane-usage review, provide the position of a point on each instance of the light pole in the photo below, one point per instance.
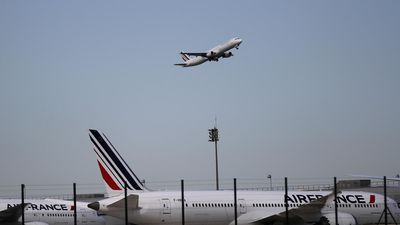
(213, 135)
(270, 181)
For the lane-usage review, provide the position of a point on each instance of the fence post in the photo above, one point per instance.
(385, 194)
(336, 205)
(286, 202)
(235, 200)
(74, 191)
(183, 202)
(23, 203)
(126, 202)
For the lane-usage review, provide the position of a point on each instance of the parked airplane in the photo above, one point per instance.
(217, 207)
(47, 212)
(211, 55)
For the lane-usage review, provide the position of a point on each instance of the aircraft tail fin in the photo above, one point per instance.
(114, 170)
(185, 57)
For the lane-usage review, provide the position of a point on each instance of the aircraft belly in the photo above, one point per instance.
(198, 61)
(215, 216)
(192, 217)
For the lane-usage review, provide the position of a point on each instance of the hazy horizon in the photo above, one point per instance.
(312, 92)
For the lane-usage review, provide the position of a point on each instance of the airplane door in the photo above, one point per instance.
(242, 206)
(166, 205)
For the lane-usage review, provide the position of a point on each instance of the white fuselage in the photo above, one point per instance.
(195, 61)
(216, 207)
(57, 212)
(219, 50)
(214, 53)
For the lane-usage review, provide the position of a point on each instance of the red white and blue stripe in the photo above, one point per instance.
(114, 170)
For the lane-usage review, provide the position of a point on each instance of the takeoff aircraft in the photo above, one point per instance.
(217, 207)
(47, 212)
(211, 55)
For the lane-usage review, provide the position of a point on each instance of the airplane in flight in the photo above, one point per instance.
(222, 50)
(47, 212)
(147, 207)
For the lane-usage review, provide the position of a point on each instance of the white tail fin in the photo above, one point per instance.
(184, 57)
(113, 168)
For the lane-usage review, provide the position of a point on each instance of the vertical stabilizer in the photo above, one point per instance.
(113, 168)
(184, 57)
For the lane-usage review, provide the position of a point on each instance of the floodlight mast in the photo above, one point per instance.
(213, 135)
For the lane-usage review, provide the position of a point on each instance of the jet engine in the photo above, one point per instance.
(210, 54)
(227, 55)
(343, 219)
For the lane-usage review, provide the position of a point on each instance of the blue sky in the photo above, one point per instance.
(313, 90)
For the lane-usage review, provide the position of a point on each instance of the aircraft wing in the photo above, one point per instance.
(203, 54)
(133, 202)
(306, 212)
(11, 214)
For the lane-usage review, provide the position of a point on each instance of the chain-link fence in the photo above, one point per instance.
(278, 200)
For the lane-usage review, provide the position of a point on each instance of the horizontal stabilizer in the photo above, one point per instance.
(12, 214)
(133, 202)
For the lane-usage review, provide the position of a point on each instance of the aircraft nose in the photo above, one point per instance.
(94, 205)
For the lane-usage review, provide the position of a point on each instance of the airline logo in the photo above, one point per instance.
(44, 207)
(113, 168)
(184, 57)
(372, 199)
(359, 199)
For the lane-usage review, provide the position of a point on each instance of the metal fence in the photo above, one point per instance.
(93, 192)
